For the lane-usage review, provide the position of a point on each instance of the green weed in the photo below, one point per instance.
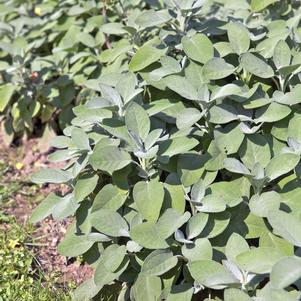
(20, 276)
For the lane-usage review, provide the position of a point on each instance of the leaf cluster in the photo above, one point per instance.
(184, 169)
(48, 52)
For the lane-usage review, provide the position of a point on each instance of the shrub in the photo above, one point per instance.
(48, 51)
(184, 169)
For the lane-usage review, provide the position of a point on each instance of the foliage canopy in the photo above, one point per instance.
(183, 163)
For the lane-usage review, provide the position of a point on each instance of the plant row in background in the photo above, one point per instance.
(183, 163)
(48, 51)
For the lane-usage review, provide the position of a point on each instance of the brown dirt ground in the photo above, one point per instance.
(49, 232)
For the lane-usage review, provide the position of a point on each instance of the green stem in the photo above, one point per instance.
(277, 84)
(282, 83)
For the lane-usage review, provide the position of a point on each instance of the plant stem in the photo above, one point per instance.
(277, 84)
(104, 14)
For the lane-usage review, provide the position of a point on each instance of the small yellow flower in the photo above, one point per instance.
(12, 243)
(38, 11)
(19, 165)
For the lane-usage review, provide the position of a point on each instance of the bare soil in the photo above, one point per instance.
(20, 163)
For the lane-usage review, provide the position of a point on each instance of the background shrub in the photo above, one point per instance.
(184, 167)
(48, 51)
